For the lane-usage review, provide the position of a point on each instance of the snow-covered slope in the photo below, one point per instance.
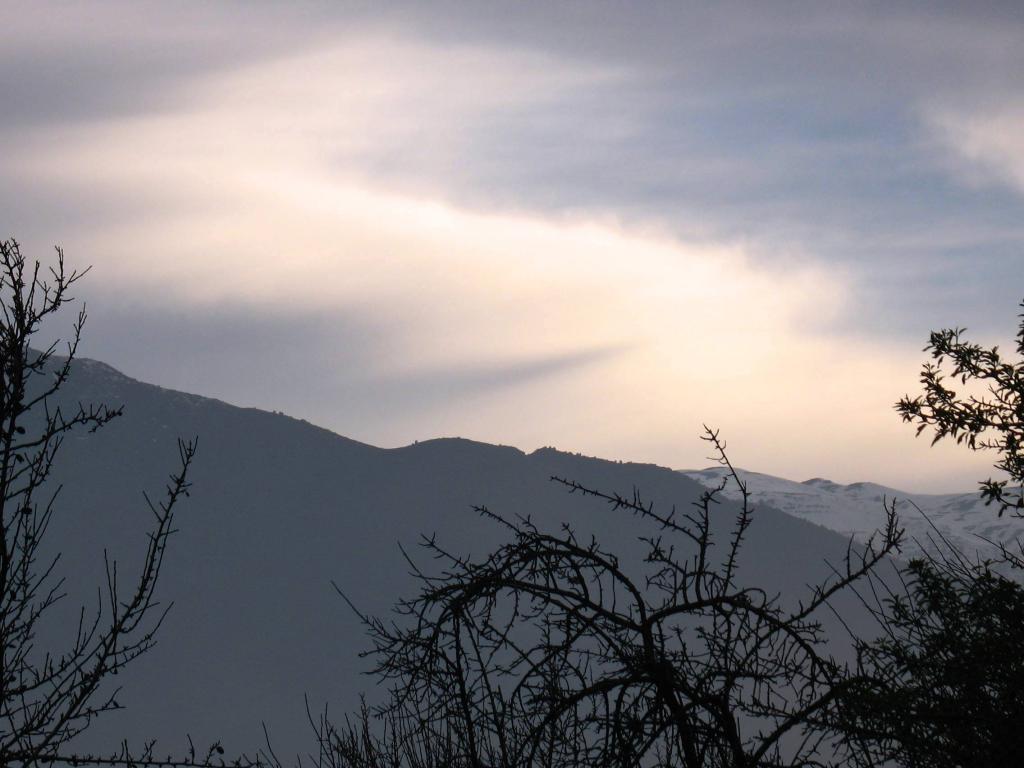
(858, 510)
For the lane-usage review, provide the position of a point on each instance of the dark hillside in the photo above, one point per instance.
(279, 509)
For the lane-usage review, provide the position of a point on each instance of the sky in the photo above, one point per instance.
(594, 226)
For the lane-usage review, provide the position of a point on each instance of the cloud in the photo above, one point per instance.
(329, 185)
(797, 131)
(988, 143)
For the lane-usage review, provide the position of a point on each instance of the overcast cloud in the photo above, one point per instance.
(592, 226)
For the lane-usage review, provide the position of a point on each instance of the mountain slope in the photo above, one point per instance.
(857, 510)
(280, 509)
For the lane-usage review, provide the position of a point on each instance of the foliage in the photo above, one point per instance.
(49, 696)
(942, 686)
(992, 421)
(550, 651)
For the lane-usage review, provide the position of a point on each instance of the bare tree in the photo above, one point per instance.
(550, 651)
(49, 696)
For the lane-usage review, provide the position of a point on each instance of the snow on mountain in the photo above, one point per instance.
(858, 510)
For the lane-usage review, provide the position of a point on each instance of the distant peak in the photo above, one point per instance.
(820, 482)
(459, 443)
(99, 367)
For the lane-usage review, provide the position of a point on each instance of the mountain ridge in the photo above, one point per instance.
(856, 509)
(280, 509)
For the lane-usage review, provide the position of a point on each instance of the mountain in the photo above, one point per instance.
(279, 509)
(857, 510)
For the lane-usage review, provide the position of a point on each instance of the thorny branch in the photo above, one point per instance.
(49, 697)
(551, 652)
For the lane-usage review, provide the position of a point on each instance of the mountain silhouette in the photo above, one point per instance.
(280, 509)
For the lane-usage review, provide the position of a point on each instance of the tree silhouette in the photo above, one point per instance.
(943, 684)
(49, 696)
(551, 651)
(991, 417)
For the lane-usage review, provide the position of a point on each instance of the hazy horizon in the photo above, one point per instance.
(593, 226)
(710, 464)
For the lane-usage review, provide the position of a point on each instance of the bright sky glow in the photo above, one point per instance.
(347, 223)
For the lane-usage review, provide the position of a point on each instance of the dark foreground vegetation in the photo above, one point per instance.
(554, 648)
